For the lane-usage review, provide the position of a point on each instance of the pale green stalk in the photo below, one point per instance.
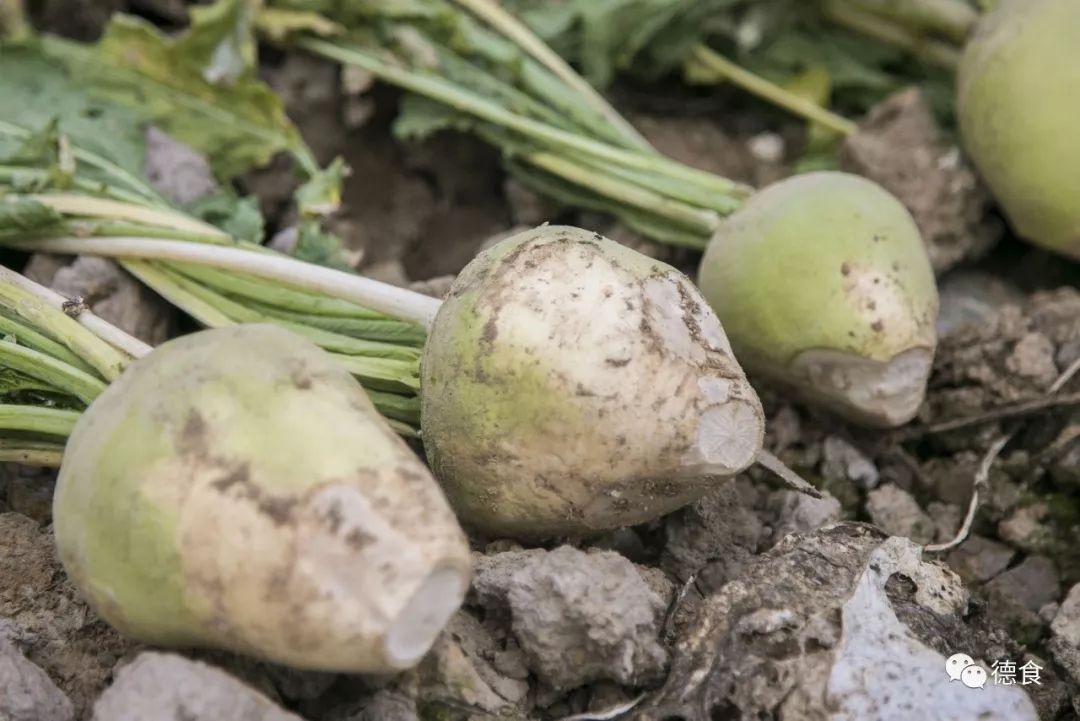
(47, 369)
(37, 419)
(36, 310)
(771, 92)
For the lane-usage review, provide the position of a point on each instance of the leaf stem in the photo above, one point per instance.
(393, 301)
(37, 419)
(91, 338)
(495, 16)
(464, 101)
(771, 92)
(85, 206)
(952, 19)
(49, 370)
(931, 51)
(31, 453)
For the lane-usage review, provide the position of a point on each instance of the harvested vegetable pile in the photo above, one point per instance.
(457, 360)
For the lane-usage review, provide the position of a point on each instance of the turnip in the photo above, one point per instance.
(1018, 105)
(571, 384)
(822, 283)
(236, 489)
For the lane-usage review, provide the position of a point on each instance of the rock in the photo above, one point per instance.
(844, 462)
(713, 537)
(110, 292)
(388, 706)
(436, 287)
(896, 512)
(176, 170)
(167, 687)
(1015, 596)
(26, 692)
(1065, 634)
(978, 559)
(843, 624)
(947, 518)
(899, 146)
(1033, 357)
(43, 614)
(467, 667)
(578, 617)
(1024, 528)
(973, 298)
(795, 512)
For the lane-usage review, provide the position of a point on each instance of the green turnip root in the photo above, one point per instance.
(237, 489)
(823, 284)
(571, 385)
(1019, 110)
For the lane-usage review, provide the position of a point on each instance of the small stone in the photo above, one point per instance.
(1015, 596)
(947, 518)
(26, 692)
(176, 170)
(165, 687)
(796, 512)
(1033, 357)
(896, 512)
(388, 706)
(1024, 528)
(578, 617)
(844, 461)
(978, 559)
(973, 298)
(459, 670)
(1065, 634)
(436, 287)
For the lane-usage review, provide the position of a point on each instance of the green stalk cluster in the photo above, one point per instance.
(51, 368)
(381, 351)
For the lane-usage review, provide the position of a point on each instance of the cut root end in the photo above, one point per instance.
(424, 617)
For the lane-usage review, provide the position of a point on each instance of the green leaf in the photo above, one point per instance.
(239, 217)
(201, 86)
(321, 194)
(37, 92)
(280, 24)
(21, 214)
(317, 246)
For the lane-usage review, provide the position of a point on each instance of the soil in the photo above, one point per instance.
(749, 603)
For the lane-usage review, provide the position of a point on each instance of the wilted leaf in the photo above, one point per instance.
(201, 87)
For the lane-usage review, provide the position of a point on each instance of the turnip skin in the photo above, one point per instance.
(1018, 106)
(572, 385)
(237, 489)
(823, 284)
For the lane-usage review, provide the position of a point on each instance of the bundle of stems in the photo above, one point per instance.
(472, 64)
(52, 366)
(379, 343)
(932, 30)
